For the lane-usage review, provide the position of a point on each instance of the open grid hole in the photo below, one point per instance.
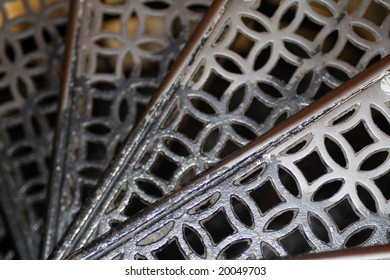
(328, 189)
(258, 111)
(236, 98)
(164, 167)
(359, 137)
(9, 51)
(268, 7)
(205, 204)
(202, 106)
(376, 13)
(194, 240)
(265, 196)
(283, 70)
(244, 131)
(374, 160)
(96, 151)
(359, 237)
(149, 188)
(343, 213)
(28, 45)
(253, 24)
(106, 64)
(296, 242)
(111, 23)
(5, 95)
(381, 120)
(134, 206)
(242, 45)
(329, 42)
(351, 54)
(216, 85)
(16, 132)
(262, 58)
(312, 166)
(170, 251)
(288, 181)
(366, 198)
(101, 107)
(268, 252)
(211, 140)
(229, 148)
(250, 176)
(383, 183)
(177, 147)
(218, 226)
(281, 220)
(235, 249)
(319, 228)
(228, 64)
(335, 151)
(190, 126)
(288, 16)
(321, 91)
(242, 211)
(150, 68)
(30, 170)
(345, 115)
(309, 29)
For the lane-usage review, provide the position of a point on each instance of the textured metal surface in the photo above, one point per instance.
(31, 46)
(250, 66)
(120, 51)
(319, 182)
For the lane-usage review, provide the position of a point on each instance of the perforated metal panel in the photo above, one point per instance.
(120, 51)
(251, 65)
(318, 182)
(31, 47)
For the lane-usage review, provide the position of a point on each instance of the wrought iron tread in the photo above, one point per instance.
(120, 53)
(318, 182)
(250, 65)
(31, 46)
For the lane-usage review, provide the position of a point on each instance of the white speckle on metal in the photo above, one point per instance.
(385, 84)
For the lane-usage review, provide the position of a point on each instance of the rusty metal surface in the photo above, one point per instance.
(318, 182)
(31, 46)
(120, 53)
(250, 65)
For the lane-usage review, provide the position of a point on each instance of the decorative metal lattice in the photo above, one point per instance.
(318, 182)
(123, 51)
(31, 46)
(252, 65)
